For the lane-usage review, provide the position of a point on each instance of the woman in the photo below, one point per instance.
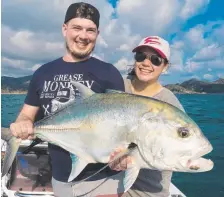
(152, 58)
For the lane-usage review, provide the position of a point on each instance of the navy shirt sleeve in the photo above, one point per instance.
(32, 97)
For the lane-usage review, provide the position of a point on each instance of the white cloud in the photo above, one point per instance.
(98, 56)
(101, 42)
(218, 33)
(177, 61)
(16, 67)
(208, 77)
(119, 35)
(196, 77)
(38, 39)
(22, 40)
(208, 53)
(194, 38)
(148, 14)
(124, 47)
(177, 57)
(35, 67)
(129, 6)
(17, 64)
(192, 66)
(221, 75)
(192, 7)
(216, 63)
(124, 64)
(209, 69)
(177, 45)
(28, 45)
(198, 50)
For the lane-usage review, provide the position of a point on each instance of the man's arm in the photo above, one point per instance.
(23, 126)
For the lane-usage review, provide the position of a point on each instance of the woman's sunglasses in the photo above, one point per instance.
(155, 59)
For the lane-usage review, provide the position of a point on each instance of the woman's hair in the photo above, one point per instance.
(132, 72)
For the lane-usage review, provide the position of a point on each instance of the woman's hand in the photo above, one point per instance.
(121, 163)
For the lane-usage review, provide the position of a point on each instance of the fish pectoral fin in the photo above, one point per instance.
(131, 175)
(78, 164)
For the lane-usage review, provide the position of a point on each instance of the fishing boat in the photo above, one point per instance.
(30, 174)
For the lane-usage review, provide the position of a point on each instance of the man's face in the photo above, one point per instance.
(80, 36)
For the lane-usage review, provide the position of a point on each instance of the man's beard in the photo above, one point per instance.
(77, 55)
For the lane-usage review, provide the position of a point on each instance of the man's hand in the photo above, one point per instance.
(23, 126)
(23, 129)
(121, 163)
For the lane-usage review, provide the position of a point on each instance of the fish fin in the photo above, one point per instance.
(131, 175)
(5, 134)
(113, 91)
(84, 91)
(78, 165)
(10, 153)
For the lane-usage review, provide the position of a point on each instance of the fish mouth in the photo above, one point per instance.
(198, 163)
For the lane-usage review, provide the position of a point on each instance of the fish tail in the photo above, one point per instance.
(11, 149)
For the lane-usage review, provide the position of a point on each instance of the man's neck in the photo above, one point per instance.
(70, 58)
(146, 88)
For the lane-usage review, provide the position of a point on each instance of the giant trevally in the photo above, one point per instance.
(91, 129)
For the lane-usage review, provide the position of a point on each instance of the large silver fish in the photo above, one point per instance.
(166, 137)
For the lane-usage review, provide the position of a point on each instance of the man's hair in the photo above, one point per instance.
(82, 10)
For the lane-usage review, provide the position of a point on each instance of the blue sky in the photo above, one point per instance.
(194, 29)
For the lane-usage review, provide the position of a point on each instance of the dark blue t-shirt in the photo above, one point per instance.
(50, 89)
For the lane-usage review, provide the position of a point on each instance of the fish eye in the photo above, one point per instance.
(183, 132)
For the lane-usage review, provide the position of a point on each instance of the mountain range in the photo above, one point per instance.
(192, 86)
(197, 86)
(15, 85)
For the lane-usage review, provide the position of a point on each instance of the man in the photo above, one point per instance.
(50, 87)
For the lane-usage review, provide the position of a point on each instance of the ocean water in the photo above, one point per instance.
(207, 111)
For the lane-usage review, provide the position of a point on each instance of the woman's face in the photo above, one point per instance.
(145, 70)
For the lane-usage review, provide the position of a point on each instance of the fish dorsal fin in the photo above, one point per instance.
(78, 164)
(113, 91)
(84, 91)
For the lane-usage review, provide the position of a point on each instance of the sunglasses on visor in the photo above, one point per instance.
(155, 59)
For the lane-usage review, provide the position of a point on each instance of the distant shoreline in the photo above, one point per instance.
(13, 93)
(24, 93)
